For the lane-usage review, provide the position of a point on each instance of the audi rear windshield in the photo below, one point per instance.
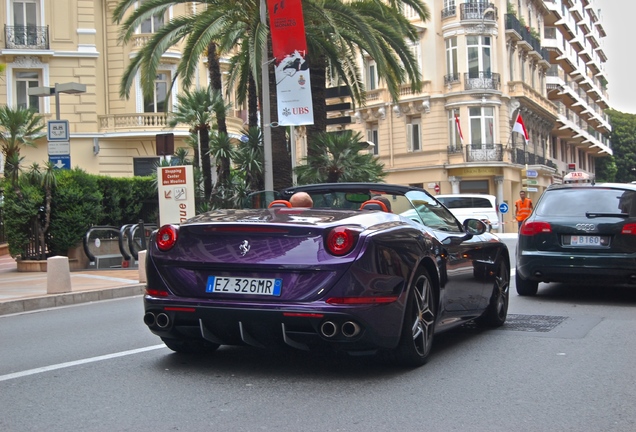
(579, 202)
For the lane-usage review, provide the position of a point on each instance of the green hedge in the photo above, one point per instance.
(79, 201)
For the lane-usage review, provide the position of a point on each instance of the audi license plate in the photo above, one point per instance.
(236, 285)
(582, 240)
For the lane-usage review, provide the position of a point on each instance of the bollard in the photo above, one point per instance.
(58, 275)
(141, 255)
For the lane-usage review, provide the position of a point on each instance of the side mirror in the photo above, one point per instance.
(472, 227)
(475, 227)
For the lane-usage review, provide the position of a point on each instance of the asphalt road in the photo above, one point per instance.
(564, 361)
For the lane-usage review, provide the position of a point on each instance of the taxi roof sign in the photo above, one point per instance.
(577, 177)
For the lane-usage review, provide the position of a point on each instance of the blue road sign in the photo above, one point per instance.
(532, 173)
(503, 208)
(61, 161)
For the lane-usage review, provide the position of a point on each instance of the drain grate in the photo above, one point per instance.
(532, 323)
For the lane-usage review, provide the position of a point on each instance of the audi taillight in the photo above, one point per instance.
(341, 240)
(534, 228)
(166, 237)
(629, 228)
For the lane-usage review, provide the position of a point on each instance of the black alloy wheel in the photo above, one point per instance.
(419, 323)
(497, 310)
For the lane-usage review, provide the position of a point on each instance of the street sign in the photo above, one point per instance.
(532, 189)
(503, 208)
(532, 174)
(61, 161)
(58, 130)
(59, 148)
(531, 182)
(176, 194)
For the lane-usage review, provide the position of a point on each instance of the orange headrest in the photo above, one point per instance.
(279, 203)
(374, 205)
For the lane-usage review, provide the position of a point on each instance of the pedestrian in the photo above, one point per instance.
(301, 199)
(523, 208)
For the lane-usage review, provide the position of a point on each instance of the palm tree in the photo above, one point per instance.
(193, 109)
(337, 32)
(18, 127)
(337, 158)
(249, 159)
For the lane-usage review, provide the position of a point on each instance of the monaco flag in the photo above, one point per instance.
(521, 128)
(459, 129)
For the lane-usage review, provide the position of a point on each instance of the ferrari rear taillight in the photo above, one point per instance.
(341, 240)
(629, 228)
(166, 237)
(534, 228)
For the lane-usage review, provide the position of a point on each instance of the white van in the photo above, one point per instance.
(478, 206)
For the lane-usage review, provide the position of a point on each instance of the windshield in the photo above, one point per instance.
(431, 213)
(580, 201)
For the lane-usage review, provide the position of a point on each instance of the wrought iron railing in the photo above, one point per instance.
(449, 12)
(26, 37)
(484, 153)
(512, 23)
(482, 81)
(454, 148)
(451, 78)
(475, 11)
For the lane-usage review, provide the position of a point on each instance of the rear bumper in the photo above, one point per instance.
(305, 327)
(552, 267)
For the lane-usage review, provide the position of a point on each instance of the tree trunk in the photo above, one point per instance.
(318, 67)
(252, 103)
(206, 166)
(281, 159)
(216, 82)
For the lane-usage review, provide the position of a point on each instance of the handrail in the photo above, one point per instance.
(88, 253)
(122, 249)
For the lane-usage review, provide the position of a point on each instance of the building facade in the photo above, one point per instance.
(484, 63)
(75, 41)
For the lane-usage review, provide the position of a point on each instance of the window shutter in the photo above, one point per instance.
(409, 137)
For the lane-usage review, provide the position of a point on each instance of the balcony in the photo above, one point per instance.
(482, 81)
(475, 11)
(448, 12)
(522, 157)
(136, 121)
(484, 153)
(525, 38)
(26, 37)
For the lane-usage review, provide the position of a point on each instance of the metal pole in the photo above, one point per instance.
(267, 131)
(57, 103)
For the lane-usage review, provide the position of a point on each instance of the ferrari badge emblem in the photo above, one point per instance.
(244, 247)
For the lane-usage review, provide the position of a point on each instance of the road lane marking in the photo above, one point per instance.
(78, 362)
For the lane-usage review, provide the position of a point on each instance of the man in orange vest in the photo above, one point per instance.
(523, 207)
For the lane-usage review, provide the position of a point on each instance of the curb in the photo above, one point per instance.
(71, 298)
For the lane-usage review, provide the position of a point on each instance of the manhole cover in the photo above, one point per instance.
(532, 323)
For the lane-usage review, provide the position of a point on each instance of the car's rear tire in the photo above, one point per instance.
(188, 346)
(419, 323)
(497, 310)
(526, 287)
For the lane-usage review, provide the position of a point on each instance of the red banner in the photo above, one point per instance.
(293, 87)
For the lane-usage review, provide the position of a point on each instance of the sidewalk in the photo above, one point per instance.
(27, 291)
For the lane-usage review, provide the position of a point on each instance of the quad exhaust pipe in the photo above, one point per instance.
(160, 320)
(349, 329)
(328, 329)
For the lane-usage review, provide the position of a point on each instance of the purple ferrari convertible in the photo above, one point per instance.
(370, 268)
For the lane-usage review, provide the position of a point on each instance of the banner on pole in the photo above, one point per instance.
(293, 86)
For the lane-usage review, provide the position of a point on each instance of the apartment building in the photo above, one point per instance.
(483, 63)
(48, 42)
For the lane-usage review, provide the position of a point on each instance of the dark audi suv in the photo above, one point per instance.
(579, 233)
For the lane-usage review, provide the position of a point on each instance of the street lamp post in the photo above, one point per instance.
(68, 88)
(58, 134)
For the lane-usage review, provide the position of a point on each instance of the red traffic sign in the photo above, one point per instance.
(436, 188)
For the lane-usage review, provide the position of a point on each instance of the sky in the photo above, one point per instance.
(617, 17)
